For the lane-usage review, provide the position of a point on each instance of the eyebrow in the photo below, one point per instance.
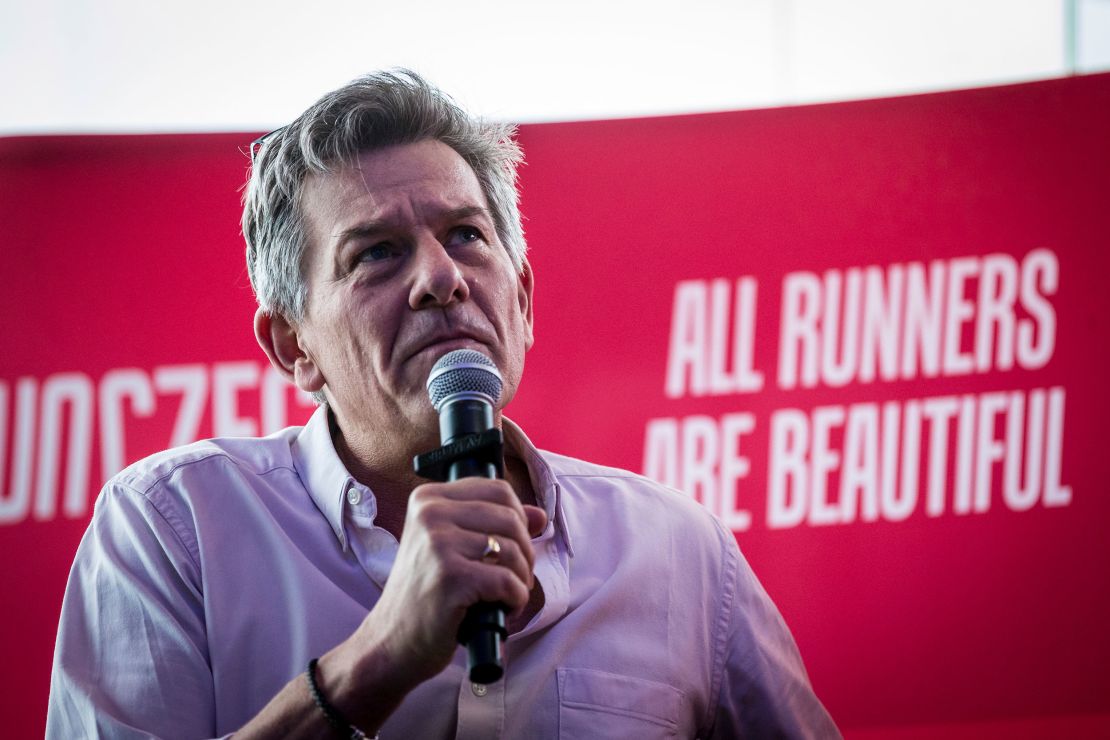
(369, 228)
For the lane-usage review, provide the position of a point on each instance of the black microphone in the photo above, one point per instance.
(465, 387)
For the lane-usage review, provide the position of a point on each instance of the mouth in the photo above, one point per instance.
(441, 344)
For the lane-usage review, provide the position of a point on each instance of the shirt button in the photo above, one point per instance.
(479, 689)
(353, 496)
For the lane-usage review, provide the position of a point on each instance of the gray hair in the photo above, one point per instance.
(372, 112)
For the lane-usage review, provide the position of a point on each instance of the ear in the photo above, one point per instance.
(525, 285)
(279, 339)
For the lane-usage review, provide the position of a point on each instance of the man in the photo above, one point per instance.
(382, 232)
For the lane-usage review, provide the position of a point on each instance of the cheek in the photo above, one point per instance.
(335, 342)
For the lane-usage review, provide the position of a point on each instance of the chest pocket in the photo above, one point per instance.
(596, 704)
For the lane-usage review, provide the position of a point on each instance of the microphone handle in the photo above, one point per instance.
(483, 628)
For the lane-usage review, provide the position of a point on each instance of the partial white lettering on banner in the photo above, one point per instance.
(920, 353)
(703, 330)
(701, 456)
(191, 381)
(72, 391)
(16, 500)
(816, 482)
(1036, 340)
(52, 438)
(275, 407)
(868, 324)
(116, 385)
(229, 379)
(865, 462)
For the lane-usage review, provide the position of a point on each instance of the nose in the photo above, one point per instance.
(437, 280)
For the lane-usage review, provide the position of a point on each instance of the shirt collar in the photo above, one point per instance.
(327, 480)
(544, 483)
(322, 472)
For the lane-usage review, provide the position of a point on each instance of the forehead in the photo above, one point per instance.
(395, 186)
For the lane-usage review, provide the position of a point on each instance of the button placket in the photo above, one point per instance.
(481, 708)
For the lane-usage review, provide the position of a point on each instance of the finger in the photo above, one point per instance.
(433, 506)
(486, 518)
(481, 489)
(463, 527)
(498, 584)
(504, 553)
(476, 516)
(537, 520)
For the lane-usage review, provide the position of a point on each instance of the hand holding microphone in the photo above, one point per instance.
(464, 386)
(465, 557)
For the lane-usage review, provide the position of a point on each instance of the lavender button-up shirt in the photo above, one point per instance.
(211, 574)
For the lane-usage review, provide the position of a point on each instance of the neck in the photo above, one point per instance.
(387, 471)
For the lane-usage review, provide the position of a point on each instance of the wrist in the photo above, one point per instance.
(340, 725)
(362, 685)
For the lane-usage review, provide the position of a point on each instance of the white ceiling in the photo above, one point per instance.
(211, 65)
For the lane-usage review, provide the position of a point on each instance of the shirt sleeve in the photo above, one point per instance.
(764, 690)
(131, 659)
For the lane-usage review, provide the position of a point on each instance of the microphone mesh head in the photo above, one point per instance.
(463, 371)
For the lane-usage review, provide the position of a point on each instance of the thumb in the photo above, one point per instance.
(537, 520)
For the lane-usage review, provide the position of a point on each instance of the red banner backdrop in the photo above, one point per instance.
(864, 334)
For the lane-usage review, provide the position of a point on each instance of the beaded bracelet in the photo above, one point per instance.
(335, 719)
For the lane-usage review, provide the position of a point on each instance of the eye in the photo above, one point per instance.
(465, 234)
(377, 252)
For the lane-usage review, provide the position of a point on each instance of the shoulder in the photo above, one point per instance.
(565, 468)
(225, 456)
(573, 473)
(593, 494)
(168, 494)
(179, 485)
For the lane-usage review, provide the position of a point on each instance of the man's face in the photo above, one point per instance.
(403, 264)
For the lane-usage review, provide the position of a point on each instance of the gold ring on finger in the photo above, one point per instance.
(493, 550)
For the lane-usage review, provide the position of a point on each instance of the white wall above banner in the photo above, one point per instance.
(127, 65)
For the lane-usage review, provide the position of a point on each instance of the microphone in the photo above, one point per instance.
(464, 387)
